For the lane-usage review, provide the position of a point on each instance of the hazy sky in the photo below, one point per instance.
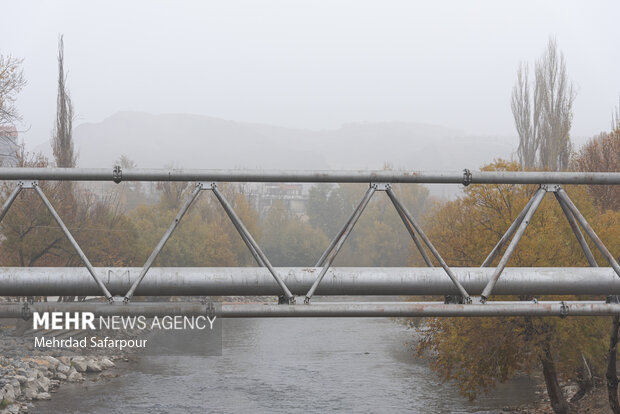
(311, 64)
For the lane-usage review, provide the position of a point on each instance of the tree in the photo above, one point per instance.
(601, 153)
(30, 235)
(288, 241)
(11, 83)
(379, 238)
(543, 117)
(62, 140)
(205, 236)
(612, 375)
(329, 207)
(615, 118)
(527, 119)
(480, 352)
(128, 194)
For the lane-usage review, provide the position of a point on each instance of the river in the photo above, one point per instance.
(288, 366)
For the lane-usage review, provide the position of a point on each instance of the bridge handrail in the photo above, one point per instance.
(465, 176)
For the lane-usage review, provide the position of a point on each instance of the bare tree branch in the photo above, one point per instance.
(543, 119)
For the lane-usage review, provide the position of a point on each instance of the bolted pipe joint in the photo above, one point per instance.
(457, 300)
(117, 174)
(467, 177)
(551, 188)
(381, 186)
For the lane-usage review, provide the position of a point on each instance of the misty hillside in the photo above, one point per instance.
(195, 141)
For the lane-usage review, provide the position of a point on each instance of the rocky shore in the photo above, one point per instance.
(594, 401)
(28, 374)
(27, 379)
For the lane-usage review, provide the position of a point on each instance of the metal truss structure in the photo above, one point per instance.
(456, 284)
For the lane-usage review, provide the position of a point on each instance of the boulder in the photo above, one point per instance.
(13, 409)
(30, 393)
(16, 388)
(106, 363)
(31, 383)
(43, 396)
(9, 393)
(79, 364)
(43, 384)
(61, 376)
(63, 369)
(92, 366)
(52, 361)
(21, 379)
(75, 377)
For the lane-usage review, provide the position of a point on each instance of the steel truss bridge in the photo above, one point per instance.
(467, 290)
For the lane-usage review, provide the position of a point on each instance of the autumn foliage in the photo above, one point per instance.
(480, 352)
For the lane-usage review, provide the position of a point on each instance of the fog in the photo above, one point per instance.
(310, 64)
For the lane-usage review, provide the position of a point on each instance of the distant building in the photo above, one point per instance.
(8, 146)
(294, 196)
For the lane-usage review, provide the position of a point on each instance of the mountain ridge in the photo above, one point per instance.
(199, 141)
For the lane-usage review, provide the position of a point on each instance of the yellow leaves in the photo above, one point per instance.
(461, 350)
(479, 352)
(196, 241)
(465, 230)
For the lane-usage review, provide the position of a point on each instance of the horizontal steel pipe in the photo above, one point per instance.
(330, 310)
(256, 281)
(311, 176)
(412, 309)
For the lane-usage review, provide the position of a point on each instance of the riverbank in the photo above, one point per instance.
(29, 375)
(594, 402)
(25, 380)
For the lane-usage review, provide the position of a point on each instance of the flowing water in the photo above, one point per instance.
(288, 366)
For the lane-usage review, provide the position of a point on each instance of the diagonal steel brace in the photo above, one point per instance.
(535, 202)
(589, 230)
(162, 242)
(77, 248)
(399, 206)
(252, 245)
(9, 201)
(414, 236)
(575, 227)
(502, 242)
(338, 236)
(333, 250)
(244, 237)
